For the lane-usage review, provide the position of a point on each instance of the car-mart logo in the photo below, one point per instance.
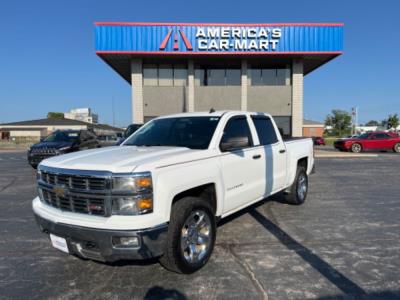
(187, 43)
(228, 39)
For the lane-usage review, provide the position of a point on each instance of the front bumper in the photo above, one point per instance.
(96, 244)
(35, 159)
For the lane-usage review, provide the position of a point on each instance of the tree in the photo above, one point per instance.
(340, 121)
(55, 115)
(393, 121)
(372, 123)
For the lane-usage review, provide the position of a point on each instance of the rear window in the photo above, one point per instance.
(265, 130)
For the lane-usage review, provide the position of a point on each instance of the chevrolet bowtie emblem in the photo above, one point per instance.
(59, 191)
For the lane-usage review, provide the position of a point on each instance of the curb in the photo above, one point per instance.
(334, 155)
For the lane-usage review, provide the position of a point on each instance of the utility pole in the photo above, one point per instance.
(354, 120)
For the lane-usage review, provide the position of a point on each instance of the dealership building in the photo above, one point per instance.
(189, 67)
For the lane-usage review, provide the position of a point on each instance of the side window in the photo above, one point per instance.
(237, 127)
(265, 130)
(381, 136)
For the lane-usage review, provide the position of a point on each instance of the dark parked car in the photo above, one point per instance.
(318, 140)
(128, 131)
(131, 129)
(60, 142)
(370, 141)
(108, 140)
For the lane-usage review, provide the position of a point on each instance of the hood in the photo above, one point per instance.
(52, 145)
(119, 159)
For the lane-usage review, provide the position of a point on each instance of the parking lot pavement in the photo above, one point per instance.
(344, 242)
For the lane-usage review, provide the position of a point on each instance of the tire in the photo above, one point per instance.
(396, 148)
(297, 193)
(356, 148)
(184, 238)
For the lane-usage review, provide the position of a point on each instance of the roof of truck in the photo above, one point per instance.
(217, 113)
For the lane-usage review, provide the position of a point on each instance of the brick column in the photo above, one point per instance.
(190, 87)
(137, 91)
(243, 102)
(297, 98)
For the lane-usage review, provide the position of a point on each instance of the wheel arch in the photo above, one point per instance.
(207, 192)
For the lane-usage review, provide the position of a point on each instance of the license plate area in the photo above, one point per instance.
(59, 243)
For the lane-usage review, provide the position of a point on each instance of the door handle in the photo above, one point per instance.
(282, 151)
(257, 156)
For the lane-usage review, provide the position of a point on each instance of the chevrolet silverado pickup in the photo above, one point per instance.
(163, 190)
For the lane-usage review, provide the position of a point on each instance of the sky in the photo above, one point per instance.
(48, 60)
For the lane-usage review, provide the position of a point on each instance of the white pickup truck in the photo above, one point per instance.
(161, 193)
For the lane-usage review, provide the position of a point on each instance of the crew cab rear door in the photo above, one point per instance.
(274, 158)
(241, 167)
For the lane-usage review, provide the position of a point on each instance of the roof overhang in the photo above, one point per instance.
(316, 43)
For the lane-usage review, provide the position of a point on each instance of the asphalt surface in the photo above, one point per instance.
(344, 242)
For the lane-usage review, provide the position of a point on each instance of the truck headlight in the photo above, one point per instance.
(135, 183)
(132, 194)
(135, 205)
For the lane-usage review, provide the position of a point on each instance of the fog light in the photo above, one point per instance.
(125, 241)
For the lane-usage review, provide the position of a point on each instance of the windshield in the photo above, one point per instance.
(190, 132)
(63, 136)
(363, 136)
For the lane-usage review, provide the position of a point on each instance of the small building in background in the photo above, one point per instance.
(82, 114)
(312, 128)
(33, 130)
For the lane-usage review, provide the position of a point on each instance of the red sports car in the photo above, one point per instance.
(370, 141)
(318, 140)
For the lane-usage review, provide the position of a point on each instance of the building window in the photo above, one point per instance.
(199, 77)
(217, 77)
(260, 76)
(164, 75)
(180, 75)
(150, 75)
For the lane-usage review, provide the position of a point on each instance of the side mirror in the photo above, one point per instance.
(234, 143)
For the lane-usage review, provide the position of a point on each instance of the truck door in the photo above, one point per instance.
(274, 159)
(242, 171)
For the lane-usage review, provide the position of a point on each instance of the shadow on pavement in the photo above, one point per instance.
(334, 276)
(159, 293)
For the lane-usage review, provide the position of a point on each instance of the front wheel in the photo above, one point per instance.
(191, 236)
(356, 148)
(396, 148)
(297, 193)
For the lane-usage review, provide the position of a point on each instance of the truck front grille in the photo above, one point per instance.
(76, 193)
(75, 181)
(74, 203)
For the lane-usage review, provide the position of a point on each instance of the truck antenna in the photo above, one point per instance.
(212, 110)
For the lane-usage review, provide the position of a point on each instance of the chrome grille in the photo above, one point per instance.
(76, 193)
(43, 151)
(75, 203)
(76, 182)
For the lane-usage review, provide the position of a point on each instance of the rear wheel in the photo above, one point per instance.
(297, 193)
(356, 148)
(396, 148)
(191, 236)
